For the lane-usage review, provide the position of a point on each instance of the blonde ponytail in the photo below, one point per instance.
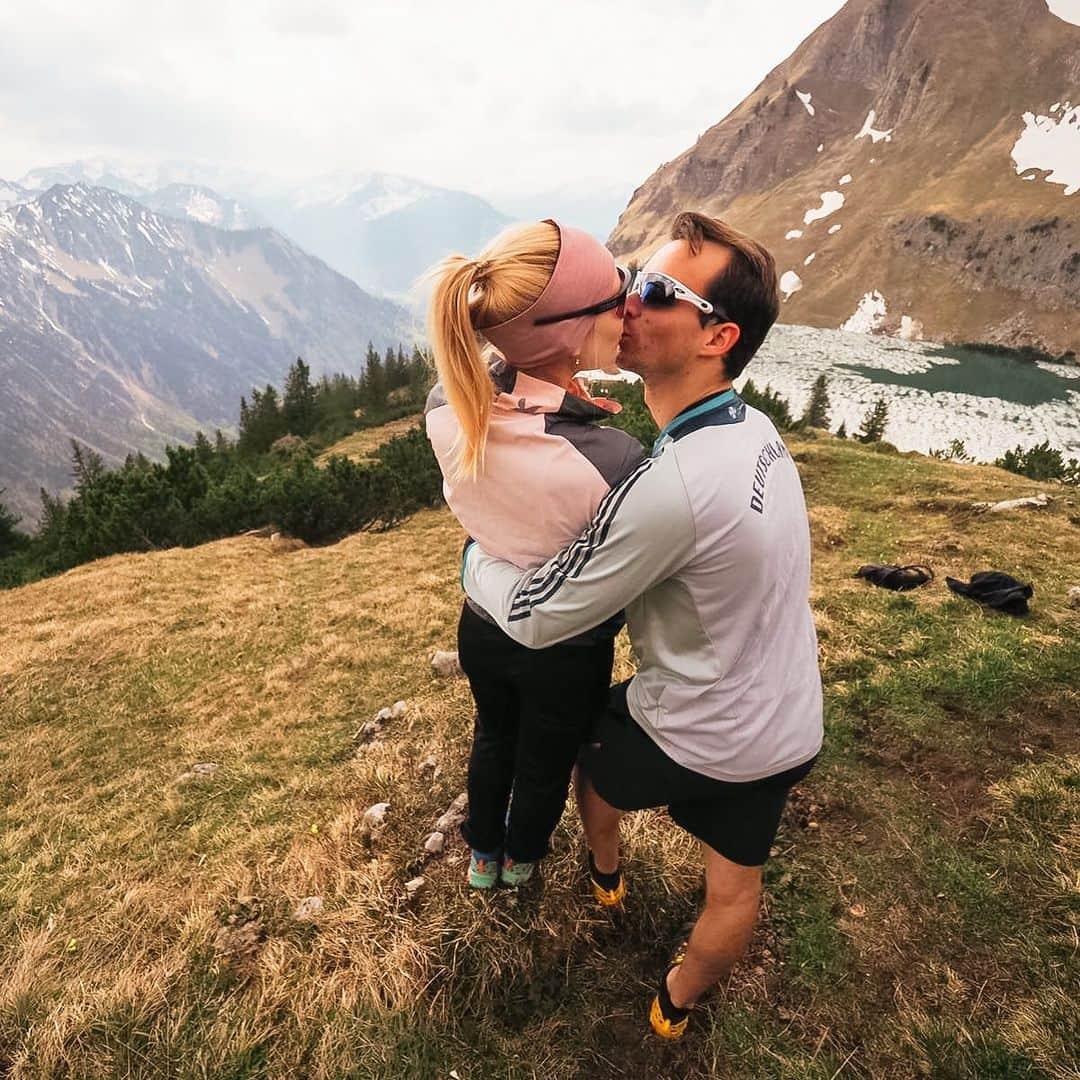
(469, 294)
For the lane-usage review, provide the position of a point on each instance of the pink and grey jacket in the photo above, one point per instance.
(547, 466)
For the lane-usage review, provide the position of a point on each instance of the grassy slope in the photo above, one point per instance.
(362, 444)
(920, 917)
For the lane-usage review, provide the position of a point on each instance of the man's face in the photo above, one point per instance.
(664, 341)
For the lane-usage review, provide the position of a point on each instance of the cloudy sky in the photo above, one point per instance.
(494, 97)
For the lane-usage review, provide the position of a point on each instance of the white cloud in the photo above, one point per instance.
(486, 96)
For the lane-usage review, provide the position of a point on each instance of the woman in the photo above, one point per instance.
(525, 468)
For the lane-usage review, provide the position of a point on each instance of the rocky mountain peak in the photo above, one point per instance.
(886, 153)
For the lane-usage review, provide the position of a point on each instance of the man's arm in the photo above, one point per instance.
(643, 532)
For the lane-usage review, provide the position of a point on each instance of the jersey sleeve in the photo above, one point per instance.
(643, 532)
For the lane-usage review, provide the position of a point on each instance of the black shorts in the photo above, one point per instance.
(629, 771)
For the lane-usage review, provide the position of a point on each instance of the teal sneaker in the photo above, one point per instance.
(515, 874)
(483, 870)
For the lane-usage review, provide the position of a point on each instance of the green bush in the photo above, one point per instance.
(770, 403)
(1041, 462)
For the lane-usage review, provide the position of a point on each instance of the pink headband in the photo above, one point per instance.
(583, 275)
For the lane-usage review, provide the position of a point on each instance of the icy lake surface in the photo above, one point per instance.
(991, 402)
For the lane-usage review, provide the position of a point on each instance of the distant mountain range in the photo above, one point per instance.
(915, 167)
(125, 328)
(381, 230)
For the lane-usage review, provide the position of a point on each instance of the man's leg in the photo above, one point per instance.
(600, 821)
(723, 930)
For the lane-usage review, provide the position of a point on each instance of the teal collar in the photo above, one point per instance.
(691, 412)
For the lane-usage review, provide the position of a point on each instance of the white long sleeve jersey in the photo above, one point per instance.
(706, 545)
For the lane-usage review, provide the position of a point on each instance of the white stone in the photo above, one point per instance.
(415, 886)
(374, 819)
(435, 844)
(454, 815)
(398, 710)
(308, 908)
(1034, 501)
(446, 663)
(205, 768)
(1074, 596)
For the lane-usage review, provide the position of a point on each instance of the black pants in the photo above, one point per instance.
(534, 709)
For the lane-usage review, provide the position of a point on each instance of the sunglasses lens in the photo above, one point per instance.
(657, 294)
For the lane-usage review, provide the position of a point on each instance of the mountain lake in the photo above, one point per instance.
(935, 393)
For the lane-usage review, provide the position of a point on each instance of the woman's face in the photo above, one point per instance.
(602, 344)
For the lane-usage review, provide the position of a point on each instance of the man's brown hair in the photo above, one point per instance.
(746, 290)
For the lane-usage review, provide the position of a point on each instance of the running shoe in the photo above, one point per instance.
(667, 1020)
(515, 874)
(483, 870)
(609, 889)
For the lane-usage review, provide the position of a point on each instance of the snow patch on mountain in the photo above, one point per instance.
(831, 201)
(1066, 10)
(805, 99)
(790, 283)
(868, 316)
(201, 207)
(810, 258)
(1051, 144)
(794, 234)
(371, 195)
(874, 134)
(834, 229)
(845, 179)
(910, 329)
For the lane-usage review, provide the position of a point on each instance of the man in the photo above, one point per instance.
(706, 544)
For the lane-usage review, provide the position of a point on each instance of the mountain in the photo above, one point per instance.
(12, 193)
(192, 202)
(124, 329)
(592, 205)
(914, 166)
(382, 230)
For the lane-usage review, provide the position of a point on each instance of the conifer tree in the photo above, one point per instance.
(374, 392)
(263, 422)
(874, 423)
(10, 538)
(87, 467)
(298, 405)
(841, 431)
(817, 408)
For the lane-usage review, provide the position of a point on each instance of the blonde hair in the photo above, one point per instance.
(506, 278)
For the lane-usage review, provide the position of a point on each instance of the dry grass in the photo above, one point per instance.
(920, 916)
(361, 445)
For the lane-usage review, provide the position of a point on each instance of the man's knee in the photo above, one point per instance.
(728, 884)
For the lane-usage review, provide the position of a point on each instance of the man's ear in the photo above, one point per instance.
(721, 338)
